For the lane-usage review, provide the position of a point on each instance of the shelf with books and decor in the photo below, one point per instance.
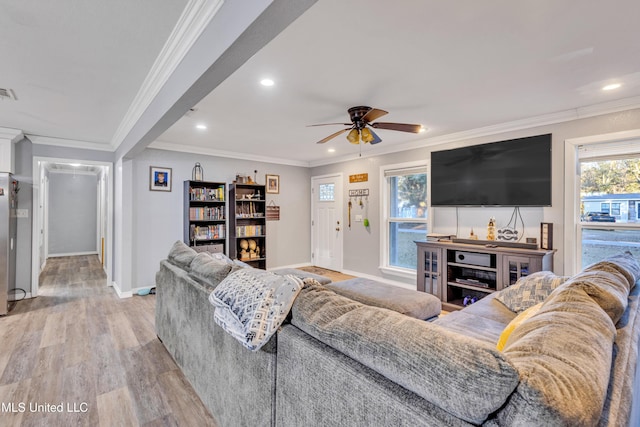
(247, 224)
(205, 217)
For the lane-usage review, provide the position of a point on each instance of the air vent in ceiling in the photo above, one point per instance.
(7, 94)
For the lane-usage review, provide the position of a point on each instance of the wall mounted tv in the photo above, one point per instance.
(516, 172)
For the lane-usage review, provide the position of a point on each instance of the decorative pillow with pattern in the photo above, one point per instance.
(251, 304)
(530, 290)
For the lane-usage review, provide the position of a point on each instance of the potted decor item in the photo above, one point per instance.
(197, 174)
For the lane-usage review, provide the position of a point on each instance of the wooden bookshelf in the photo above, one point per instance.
(205, 215)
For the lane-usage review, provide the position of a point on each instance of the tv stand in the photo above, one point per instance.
(496, 243)
(458, 272)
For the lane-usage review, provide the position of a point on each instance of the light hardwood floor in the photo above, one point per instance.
(80, 346)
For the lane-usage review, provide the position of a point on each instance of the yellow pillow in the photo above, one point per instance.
(517, 321)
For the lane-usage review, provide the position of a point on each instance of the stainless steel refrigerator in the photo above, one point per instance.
(8, 226)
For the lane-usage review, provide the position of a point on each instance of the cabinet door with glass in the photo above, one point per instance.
(429, 269)
(519, 266)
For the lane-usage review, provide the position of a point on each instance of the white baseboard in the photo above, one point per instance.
(380, 279)
(304, 264)
(73, 254)
(121, 294)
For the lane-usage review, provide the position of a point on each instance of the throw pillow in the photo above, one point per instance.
(209, 270)
(530, 290)
(251, 304)
(181, 255)
(517, 321)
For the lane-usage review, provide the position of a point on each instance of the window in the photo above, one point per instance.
(615, 209)
(404, 215)
(608, 177)
(327, 192)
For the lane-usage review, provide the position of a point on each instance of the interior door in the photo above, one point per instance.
(327, 225)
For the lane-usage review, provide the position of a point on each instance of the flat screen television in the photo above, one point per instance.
(516, 172)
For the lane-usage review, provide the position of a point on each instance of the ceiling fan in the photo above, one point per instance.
(360, 126)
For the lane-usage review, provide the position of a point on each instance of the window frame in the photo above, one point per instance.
(606, 146)
(386, 219)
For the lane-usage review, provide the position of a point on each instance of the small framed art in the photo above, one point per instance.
(273, 184)
(546, 235)
(159, 178)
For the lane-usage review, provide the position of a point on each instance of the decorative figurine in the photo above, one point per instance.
(491, 229)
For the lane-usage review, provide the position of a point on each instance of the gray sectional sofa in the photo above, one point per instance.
(340, 362)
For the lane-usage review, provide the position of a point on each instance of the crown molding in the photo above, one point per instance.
(14, 135)
(226, 154)
(516, 125)
(193, 21)
(70, 143)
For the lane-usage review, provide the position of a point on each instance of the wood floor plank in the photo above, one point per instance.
(54, 329)
(23, 359)
(116, 409)
(121, 331)
(77, 343)
(15, 394)
(186, 406)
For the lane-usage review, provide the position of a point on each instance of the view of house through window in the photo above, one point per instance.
(609, 203)
(406, 215)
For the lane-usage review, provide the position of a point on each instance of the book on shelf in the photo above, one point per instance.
(207, 232)
(206, 213)
(249, 230)
(439, 237)
(207, 194)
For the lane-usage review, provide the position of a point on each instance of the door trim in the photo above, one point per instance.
(37, 213)
(339, 181)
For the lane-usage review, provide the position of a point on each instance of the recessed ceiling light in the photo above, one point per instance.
(612, 86)
(331, 150)
(75, 165)
(201, 127)
(422, 129)
(267, 82)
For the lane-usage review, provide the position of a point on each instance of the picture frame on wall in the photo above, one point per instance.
(159, 178)
(273, 184)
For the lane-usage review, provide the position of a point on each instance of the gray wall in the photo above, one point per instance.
(361, 247)
(24, 174)
(158, 216)
(72, 213)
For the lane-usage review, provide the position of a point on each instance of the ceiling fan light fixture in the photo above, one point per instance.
(366, 135)
(354, 136)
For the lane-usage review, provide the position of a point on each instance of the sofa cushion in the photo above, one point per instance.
(529, 290)
(445, 368)
(209, 270)
(420, 305)
(181, 255)
(563, 354)
(251, 304)
(517, 321)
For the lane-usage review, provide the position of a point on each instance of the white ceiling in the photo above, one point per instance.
(451, 66)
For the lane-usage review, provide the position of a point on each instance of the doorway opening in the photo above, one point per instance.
(72, 212)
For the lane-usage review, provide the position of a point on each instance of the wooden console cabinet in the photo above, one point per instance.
(459, 272)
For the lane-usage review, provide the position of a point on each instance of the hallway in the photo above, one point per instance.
(80, 349)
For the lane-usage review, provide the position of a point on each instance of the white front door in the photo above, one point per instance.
(327, 225)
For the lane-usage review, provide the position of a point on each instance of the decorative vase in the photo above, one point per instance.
(197, 174)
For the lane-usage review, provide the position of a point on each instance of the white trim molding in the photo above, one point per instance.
(193, 21)
(70, 143)
(13, 135)
(572, 188)
(206, 151)
(121, 294)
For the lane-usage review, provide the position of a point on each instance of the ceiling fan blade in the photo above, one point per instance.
(373, 114)
(328, 124)
(333, 135)
(376, 138)
(402, 127)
